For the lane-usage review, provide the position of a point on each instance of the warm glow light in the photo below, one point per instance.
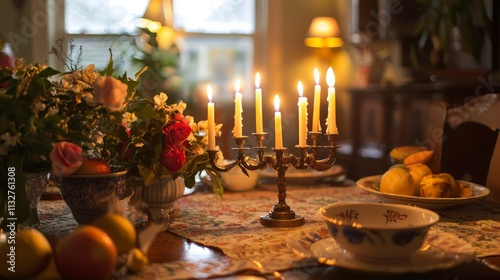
(209, 93)
(257, 80)
(323, 32)
(300, 88)
(330, 77)
(277, 103)
(316, 76)
(237, 85)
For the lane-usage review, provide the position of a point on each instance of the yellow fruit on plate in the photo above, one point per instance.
(93, 166)
(419, 157)
(455, 187)
(418, 171)
(25, 258)
(398, 154)
(398, 180)
(120, 229)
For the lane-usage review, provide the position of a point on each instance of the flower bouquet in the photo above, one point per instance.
(27, 130)
(164, 143)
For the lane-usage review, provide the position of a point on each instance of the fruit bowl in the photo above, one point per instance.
(89, 196)
(378, 232)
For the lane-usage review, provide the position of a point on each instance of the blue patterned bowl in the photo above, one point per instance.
(89, 196)
(378, 232)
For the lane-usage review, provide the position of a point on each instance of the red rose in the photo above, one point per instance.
(173, 158)
(176, 132)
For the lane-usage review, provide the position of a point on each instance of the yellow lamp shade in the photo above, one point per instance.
(323, 32)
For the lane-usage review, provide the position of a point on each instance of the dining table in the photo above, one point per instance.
(214, 237)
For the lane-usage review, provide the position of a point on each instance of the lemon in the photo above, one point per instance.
(419, 171)
(398, 180)
(137, 260)
(29, 255)
(119, 229)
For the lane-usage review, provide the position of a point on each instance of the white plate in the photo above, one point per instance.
(371, 184)
(304, 176)
(440, 251)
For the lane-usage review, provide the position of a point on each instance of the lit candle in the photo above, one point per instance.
(302, 115)
(316, 125)
(278, 137)
(211, 121)
(238, 109)
(258, 106)
(331, 122)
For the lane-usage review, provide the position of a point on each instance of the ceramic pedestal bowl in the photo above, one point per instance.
(378, 232)
(89, 196)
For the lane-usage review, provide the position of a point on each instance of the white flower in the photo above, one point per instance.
(129, 118)
(181, 106)
(10, 140)
(160, 100)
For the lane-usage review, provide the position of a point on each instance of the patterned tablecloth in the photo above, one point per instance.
(232, 224)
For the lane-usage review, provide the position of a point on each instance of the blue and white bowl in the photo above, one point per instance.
(378, 232)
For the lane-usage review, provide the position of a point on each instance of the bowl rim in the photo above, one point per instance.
(105, 175)
(322, 210)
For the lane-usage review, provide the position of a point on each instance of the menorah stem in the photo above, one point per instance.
(281, 206)
(281, 215)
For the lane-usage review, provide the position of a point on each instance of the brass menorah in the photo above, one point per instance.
(281, 214)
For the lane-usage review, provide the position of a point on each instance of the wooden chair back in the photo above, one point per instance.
(465, 141)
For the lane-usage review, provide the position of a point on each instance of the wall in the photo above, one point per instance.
(24, 24)
(289, 60)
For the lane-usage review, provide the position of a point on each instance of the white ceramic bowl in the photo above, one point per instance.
(378, 232)
(236, 180)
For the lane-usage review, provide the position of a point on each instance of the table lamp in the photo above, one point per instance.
(159, 13)
(323, 32)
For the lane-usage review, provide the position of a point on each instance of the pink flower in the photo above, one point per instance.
(66, 158)
(173, 159)
(110, 92)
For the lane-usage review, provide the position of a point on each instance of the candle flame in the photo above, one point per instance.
(316, 76)
(277, 103)
(300, 88)
(257, 80)
(209, 93)
(330, 77)
(237, 85)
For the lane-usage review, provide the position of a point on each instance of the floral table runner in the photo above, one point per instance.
(232, 224)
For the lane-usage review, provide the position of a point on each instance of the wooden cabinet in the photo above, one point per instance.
(386, 117)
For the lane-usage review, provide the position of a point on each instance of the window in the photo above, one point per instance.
(216, 44)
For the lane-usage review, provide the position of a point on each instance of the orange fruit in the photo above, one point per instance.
(86, 253)
(26, 258)
(398, 180)
(398, 154)
(419, 157)
(93, 166)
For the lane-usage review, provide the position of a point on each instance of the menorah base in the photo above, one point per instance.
(278, 219)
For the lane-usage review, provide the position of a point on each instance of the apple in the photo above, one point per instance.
(93, 166)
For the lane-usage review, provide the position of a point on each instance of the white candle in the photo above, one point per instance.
(211, 121)
(258, 106)
(302, 116)
(316, 125)
(278, 135)
(238, 109)
(331, 122)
